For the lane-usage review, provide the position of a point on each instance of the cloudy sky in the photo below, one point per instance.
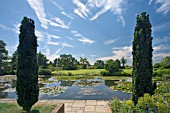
(95, 29)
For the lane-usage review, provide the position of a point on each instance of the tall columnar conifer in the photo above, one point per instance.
(27, 67)
(142, 58)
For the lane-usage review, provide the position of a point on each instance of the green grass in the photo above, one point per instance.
(14, 108)
(72, 77)
(113, 77)
(80, 71)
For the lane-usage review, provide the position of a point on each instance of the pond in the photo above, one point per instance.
(51, 88)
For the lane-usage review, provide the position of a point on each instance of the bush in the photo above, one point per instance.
(104, 73)
(70, 74)
(90, 67)
(44, 72)
(116, 105)
(146, 104)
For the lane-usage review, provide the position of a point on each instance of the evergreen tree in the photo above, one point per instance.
(27, 66)
(142, 58)
(3, 57)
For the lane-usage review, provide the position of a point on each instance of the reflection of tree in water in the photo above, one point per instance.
(66, 83)
(3, 94)
(13, 83)
(88, 83)
(110, 83)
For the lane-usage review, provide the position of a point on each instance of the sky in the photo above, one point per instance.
(95, 29)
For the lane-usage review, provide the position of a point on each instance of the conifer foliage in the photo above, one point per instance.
(142, 58)
(27, 67)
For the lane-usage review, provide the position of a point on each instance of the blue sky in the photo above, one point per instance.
(95, 29)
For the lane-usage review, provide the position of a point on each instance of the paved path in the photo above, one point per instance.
(87, 106)
(75, 106)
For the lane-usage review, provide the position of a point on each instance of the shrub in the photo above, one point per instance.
(104, 73)
(70, 74)
(44, 72)
(116, 105)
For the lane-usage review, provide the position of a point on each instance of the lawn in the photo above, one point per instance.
(14, 108)
(80, 71)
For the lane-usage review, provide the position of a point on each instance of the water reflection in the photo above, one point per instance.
(50, 88)
(110, 82)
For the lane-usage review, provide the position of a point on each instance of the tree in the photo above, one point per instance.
(42, 60)
(99, 64)
(84, 62)
(111, 66)
(165, 63)
(27, 66)
(118, 63)
(14, 60)
(142, 58)
(67, 62)
(3, 57)
(123, 61)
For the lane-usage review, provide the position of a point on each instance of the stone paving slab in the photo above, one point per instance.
(75, 106)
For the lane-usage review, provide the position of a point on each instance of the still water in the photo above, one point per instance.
(91, 89)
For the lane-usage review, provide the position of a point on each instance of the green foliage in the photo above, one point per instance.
(14, 60)
(123, 86)
(165, 63)
(44, 72)
(157, 65)
(99, 64)
(111, 66)
(67, 62)
(3, 57)
(27, 66)
(142, 58)
(123, 61)
(42, 60)
(116, 105)
(146, 104)
(105, 73)
(84, 62)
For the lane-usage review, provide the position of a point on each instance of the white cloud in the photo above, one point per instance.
(70, 38)
(120, 18)
(60, 23)
(82, 10)
(115, 6)
(110, 41)
(58, 51)
(67, 45)
(53, 36)
(164, 6)
(150, 1)
(53, 43)
(38, 7)
(4, 27)
(67, 15)
(61, 8)
(93, 55)
(160, 48)
(73, 32)
(118, 53)
(82, 38)
(86, 40)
